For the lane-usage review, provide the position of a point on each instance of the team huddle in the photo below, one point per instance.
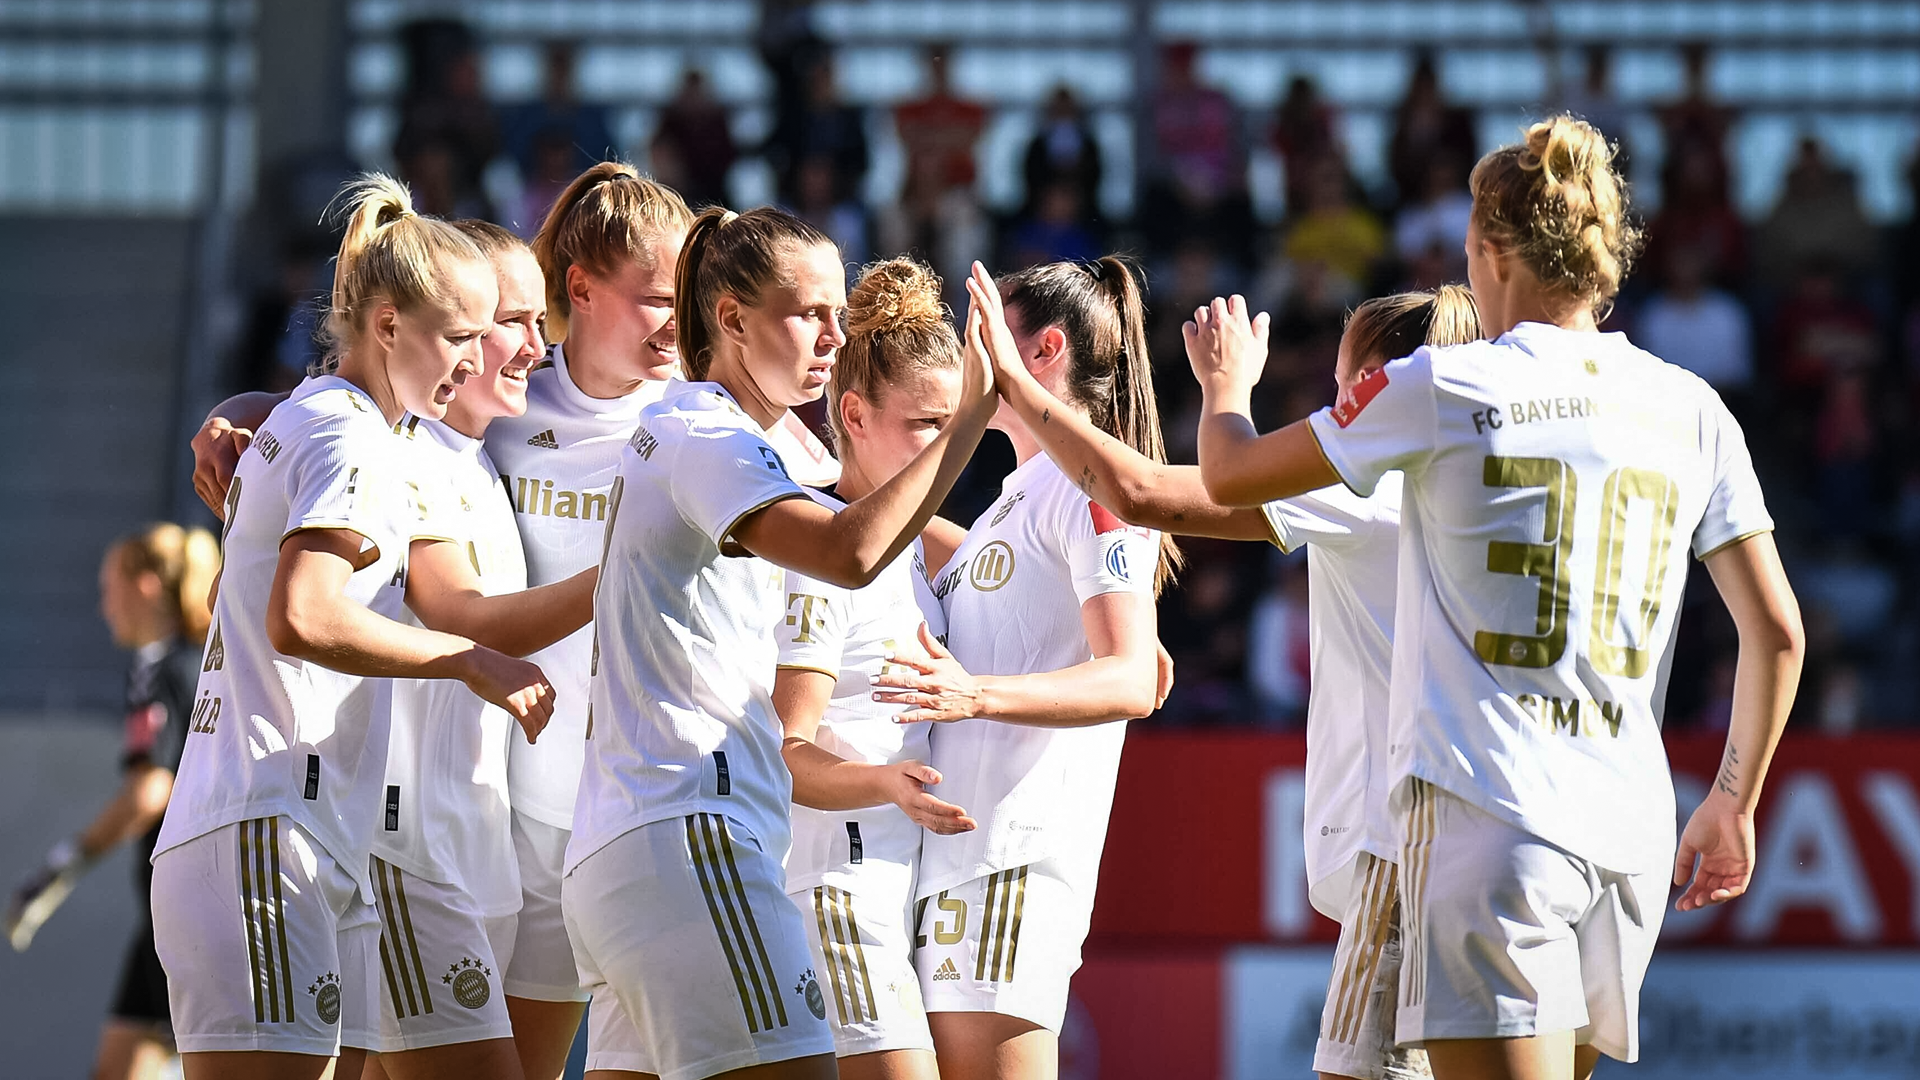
(547, 674)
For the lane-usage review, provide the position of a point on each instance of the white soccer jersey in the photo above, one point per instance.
(1353, 545)
(558, 462)
(444, 808)
(1547, 476)
(272, 735)
(848, 634)
(682, 718)
(1012, 594)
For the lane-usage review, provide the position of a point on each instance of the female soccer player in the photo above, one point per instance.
(860, 780)
(261, 864)
(1352, 841)
(444, 871)
(1050, 611)
(1547, 472)
(153, 596)
(674, 894)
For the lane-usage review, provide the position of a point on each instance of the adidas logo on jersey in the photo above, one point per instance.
(545, 440)
(947, 972)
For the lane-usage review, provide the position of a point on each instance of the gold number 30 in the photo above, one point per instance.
(1547, 560)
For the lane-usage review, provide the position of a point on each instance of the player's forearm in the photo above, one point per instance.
(824, 780)
(1240, 468)
(1765, 679)
(516, 623)
(873, 530)
(134, 809)
(337, 633)
(248, 410)
(1102, 690)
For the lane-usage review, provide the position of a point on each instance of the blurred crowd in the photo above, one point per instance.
(1806, 318)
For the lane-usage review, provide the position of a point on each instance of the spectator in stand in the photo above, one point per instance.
(1336, 231)
(819, 125)
(1204, 626)
(1063, 150)
(552, 168)
(559, 114)
(1592, 100)
(694, 129)
(1821, 331)
(448, 133)
(1427, 127)
(1056, 231)
(844, 220)
(1434, 224)
(1697, 216)
(1278, 648)
(939, 213)
(1303, 136)
(1194, 166)
(1697, 121)
(1818, 218)
(1690, 323)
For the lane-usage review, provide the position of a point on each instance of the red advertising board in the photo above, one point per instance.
(1203, 852)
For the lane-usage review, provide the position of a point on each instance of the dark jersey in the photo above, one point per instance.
(159, 700)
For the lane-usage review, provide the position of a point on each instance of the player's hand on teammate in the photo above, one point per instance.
(905, 786)
(515, 685)
(996, 336)
(217, 447)
(1720, 837)
(1227, 346)
(942, 691)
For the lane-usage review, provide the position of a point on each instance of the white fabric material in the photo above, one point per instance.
(1006, 943)
(696, 961)
(861, 939)
(1363, 996)
(849, 635)
(1507, 935)
(271, 734)
(1012, 594)
(683, 691)
(558, 462)
(1353, 547)
(444, 809)
(266, 940)
(441, 961)
(542, 967)
(1535, 691)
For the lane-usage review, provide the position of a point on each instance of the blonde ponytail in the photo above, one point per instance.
(1556, 198)
(388, 253)
(609, 215)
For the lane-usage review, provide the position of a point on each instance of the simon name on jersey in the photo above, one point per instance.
(539, 498)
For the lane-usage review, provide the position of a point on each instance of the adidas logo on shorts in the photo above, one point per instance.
(545, 440)
(947, 972)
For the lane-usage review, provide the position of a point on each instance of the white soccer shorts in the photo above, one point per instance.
(697, 962)
(266, 941)
(1006, 943)
(863, 954)
(542, 967)
(1356, 1027)
(440, 964)
(1508, 935)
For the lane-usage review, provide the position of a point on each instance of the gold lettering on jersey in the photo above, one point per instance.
(539, 498)
(992, 566)
(808, 618)
(1577, 717)
(643, 443)
(950, 934)
(206, 714)
(216, 652)
(267, 445)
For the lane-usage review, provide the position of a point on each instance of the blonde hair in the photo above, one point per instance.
(1556, 198)
(1390, 327)
(492, 240)
(607, 216)
(897, 327)
(389, 253)
(732, 254)
(185, 560)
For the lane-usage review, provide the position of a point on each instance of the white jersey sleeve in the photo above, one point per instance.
(722, 475)
(1736, 509)
(813, 636)
(336, 484)
(1106, 555)
(1332, 517)
(1386, 423)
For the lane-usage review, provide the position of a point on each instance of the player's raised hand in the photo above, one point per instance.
(1714, 862)
(217, 447)
(515, 685)
(1227, 347)
(977, 381)
(941, 692)
(997, 336)
(905, 785)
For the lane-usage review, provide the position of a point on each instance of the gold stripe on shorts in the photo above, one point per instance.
(263, 909)
(1341, 987)
(1415, 857)
(250, 917)
(1000, 916)
(1370, 939)
(845, 954)
(753, 927)
(697, 852)
(829, 949)
(285, 966)
(711, 848)
(859, 948)
(410, 988)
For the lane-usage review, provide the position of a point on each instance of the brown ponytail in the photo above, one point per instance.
(1390, 327)
(1101, 310)
(732, 254)
(388, 253)
(610, 214)
(897, 327)
(185, 560)
(1556, 198)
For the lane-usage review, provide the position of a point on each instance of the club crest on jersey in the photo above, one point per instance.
(325, 992)
(1348, 409)
(469, 981)
(993, 566)
(1006, 507)
(809, 988)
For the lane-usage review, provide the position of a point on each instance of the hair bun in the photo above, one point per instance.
(892, 295)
